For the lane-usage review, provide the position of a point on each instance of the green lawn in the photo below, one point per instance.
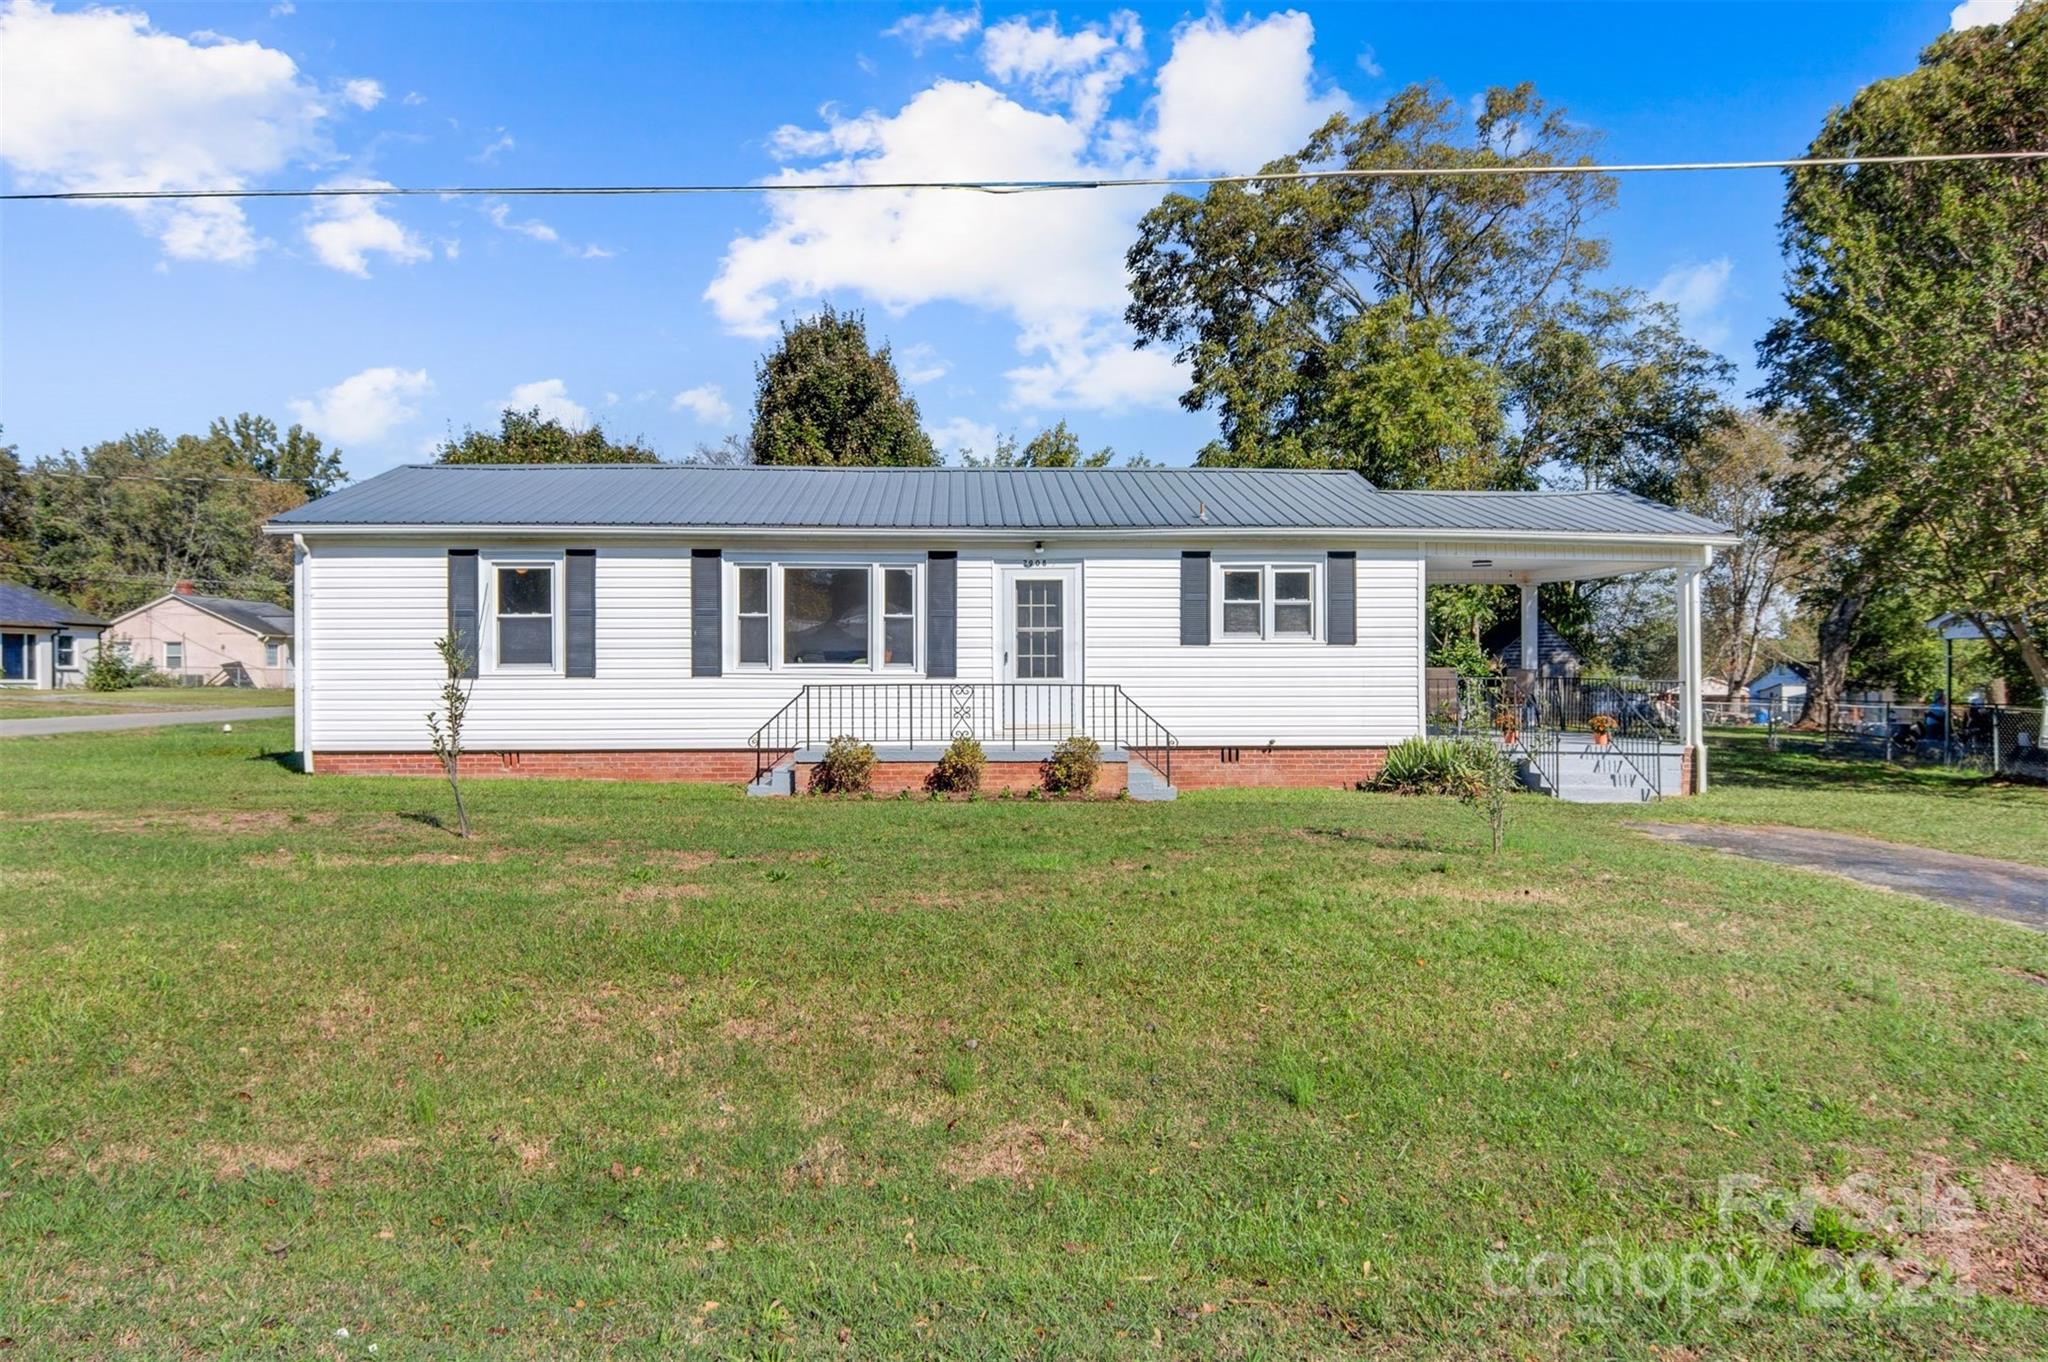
(50, 704)
(664, 1071)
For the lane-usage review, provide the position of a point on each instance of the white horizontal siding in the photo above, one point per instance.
(374, 610)
(1251, 693)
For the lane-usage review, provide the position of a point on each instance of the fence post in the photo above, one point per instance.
(1997, 748)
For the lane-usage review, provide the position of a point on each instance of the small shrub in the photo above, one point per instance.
(1435, 766)
(959, 770)
(1072, 767)
(848, 767)
(111, 669)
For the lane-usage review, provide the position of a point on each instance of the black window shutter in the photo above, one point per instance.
(462, 624)
(942, 614)
(581, 595)
(1341, 593)
(707, 612)
(1194, 597)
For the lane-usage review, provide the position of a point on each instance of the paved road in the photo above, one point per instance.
(97, 723)
(1989, 888)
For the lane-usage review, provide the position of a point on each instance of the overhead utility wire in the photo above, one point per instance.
(1019, 186)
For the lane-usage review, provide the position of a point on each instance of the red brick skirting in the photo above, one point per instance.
(716, 767)
(1194, 768)
(1205, 768)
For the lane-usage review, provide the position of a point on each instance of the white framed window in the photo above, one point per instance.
(800, 614)
(66, 649)
(174, 657)
(525, 611)
(1273, 601)
(753, 614)
(273, 653)
(17, 657)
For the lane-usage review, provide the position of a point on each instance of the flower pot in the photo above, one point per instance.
(1599, 740)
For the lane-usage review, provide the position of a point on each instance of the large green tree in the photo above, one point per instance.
(528, 437)
(1054, 447)
(824, 396)
(1913, 359)
(296, 456)
(1427, 331)
(124, 520)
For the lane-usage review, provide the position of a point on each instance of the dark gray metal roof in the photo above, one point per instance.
(258, 617)
(630, 496)
(22, 605)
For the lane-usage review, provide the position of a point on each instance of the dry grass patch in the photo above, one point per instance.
(1019, 1153)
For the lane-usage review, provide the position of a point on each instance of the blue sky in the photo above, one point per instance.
(383, 324)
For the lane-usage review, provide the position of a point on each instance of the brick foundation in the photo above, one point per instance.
(1194, 768)
(1209, 768)
(714, 767)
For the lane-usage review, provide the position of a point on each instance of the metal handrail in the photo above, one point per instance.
(907, 713)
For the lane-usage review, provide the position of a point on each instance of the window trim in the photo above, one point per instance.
(273, 652)
(179, 665)
(28, 658)
(63, 652)
(779, 563)
(766, 614)
(489, 564)
(1268, 568)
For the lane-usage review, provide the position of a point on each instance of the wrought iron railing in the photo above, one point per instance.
(1630, 719)
(934, 713)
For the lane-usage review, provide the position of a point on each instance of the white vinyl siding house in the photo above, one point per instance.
(685, 612)
(44, 643)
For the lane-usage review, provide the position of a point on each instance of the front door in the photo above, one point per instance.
(1041, 625)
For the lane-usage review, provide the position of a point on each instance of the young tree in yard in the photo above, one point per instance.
(444, 726)
(528, 437)
(1429, 333)
(822, 396)
(1914, 357)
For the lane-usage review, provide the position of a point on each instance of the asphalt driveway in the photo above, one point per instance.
(162, 718)
(2001, 889)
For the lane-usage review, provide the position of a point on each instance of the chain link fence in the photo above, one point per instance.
(1987, 739)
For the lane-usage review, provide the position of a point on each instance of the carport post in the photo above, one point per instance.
(1531, 630)
(1691, 728)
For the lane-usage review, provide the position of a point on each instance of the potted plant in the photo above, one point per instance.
(1603, 728)
(1509, 722)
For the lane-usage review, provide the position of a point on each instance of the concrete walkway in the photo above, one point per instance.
(2001, 889)
(156, 718)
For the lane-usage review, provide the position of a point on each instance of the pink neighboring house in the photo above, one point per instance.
(210, 640)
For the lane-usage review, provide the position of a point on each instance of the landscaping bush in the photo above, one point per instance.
(959, 771)
(848, 767)
(110, 670)
(1072, 766)
(1437, 766)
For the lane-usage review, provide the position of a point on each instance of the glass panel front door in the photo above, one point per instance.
(1041, 629)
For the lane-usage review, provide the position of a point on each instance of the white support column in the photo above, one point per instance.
(1691, 725)
(1532, 656)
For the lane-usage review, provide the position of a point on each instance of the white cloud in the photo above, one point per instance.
(551, 395)
(919, 363)
(504, 142)
(705, 402)
(1698, 290)
(283, 9)
(935, 28)
(100, 99)
(500, 214)
(364, 408)
(1234, 97)
(1052, 263)
(961, 436)
(413, 99)
(345, 232)
(1080, 69)
(1974, 13)
(363, 93)
(1369, 62)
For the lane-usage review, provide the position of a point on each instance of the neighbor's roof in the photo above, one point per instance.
(258, 617)
(665, 496)
(21, 605)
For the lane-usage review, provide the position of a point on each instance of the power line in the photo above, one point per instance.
(1017, 186)
(165, 579)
